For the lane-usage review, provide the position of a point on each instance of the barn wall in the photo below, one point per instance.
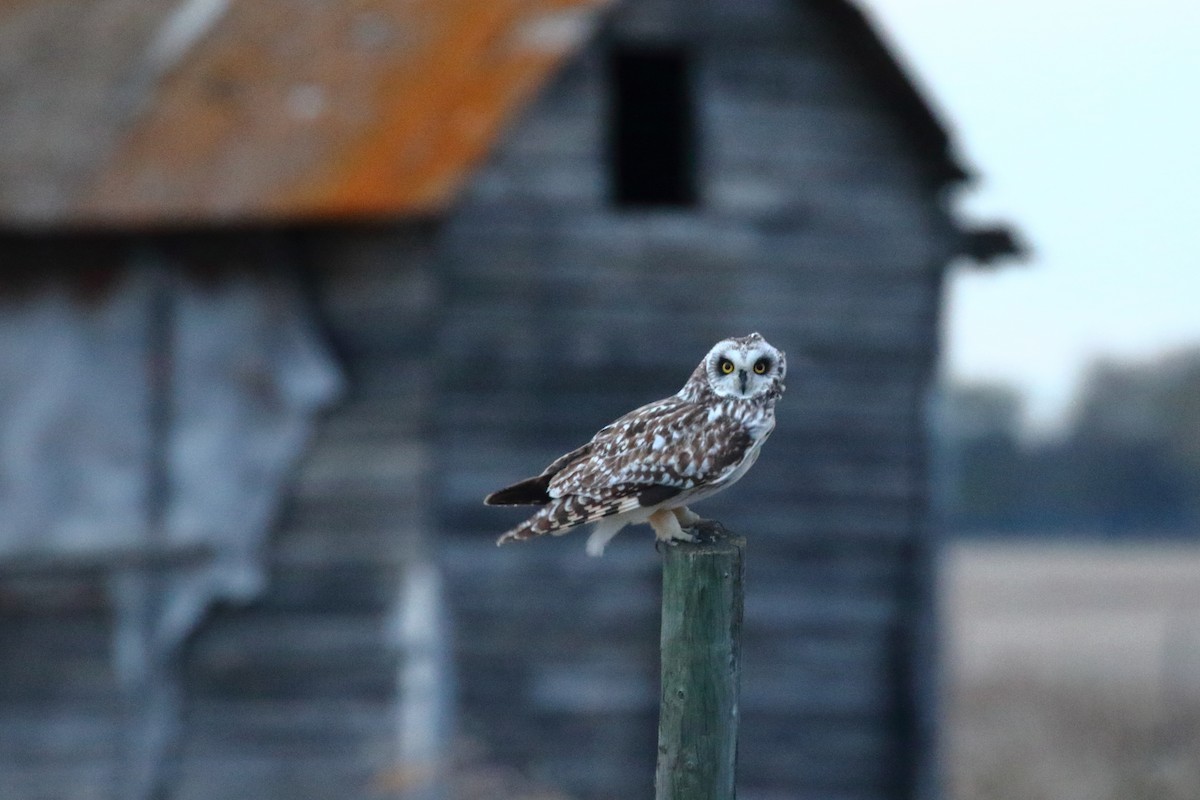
(817, 226)
(299, 694)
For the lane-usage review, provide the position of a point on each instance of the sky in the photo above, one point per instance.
(1082, 121)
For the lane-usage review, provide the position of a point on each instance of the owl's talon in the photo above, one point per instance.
(710, 530)
(673, 542)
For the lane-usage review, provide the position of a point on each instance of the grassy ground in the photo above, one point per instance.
(1072, 673)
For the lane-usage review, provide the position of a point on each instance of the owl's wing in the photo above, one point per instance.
(644, 458)
(651, 454)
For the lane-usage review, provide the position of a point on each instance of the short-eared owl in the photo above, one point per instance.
(649, 464)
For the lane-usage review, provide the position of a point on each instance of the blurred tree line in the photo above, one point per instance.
(1126, 464)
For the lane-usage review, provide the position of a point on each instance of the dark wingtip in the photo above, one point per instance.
(529, 492)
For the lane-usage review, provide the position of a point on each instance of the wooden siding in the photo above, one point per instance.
(818, 227)
(296, 695)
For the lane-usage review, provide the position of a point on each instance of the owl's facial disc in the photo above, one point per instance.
(745, 367)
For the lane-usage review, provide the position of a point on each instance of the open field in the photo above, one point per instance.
(1072, 671)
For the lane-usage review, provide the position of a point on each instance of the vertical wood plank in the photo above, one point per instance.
(701, 652)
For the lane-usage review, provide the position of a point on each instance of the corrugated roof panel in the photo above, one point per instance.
(253, 110)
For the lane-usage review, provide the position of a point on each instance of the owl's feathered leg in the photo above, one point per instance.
(602, 534)
(687, 518)
(666, 527)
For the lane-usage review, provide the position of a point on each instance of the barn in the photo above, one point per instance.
(288, 287)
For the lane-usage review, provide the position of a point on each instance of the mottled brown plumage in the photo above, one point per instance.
(663, 455)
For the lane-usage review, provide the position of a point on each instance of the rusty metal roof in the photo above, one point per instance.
(149, 112)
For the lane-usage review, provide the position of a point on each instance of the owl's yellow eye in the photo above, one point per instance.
(761, 366)
(726, 366)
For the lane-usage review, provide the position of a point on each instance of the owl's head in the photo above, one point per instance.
(745, 367)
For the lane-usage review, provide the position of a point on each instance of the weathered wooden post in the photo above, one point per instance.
(701, 648)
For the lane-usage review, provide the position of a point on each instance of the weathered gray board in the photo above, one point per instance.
(300, 694)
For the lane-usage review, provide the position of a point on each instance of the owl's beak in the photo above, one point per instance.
(742, 379)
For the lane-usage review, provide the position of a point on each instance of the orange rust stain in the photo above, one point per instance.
(438, 121)
(283, 113)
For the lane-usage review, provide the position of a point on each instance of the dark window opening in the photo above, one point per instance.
(652, 128)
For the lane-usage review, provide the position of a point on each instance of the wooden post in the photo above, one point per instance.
(701, 648)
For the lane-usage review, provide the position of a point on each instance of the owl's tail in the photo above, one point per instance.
(539, 524)
(557, 517)
(543, 522)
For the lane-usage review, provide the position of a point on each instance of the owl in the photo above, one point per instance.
(650, 464)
